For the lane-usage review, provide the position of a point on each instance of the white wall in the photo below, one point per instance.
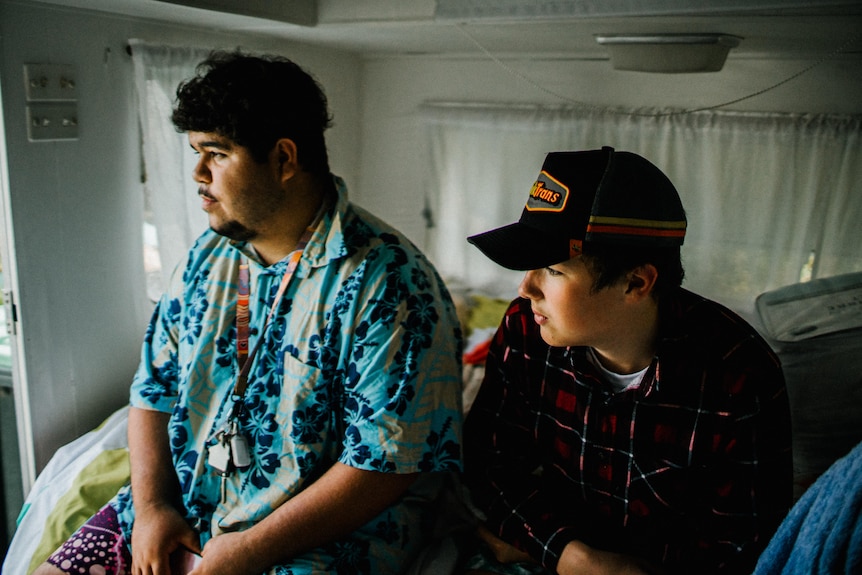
(77, 206)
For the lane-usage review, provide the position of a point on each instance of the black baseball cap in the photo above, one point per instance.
(593, 196)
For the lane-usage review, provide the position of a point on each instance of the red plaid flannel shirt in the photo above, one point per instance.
(691, 469)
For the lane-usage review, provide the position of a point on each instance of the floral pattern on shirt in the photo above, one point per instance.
(360, 364)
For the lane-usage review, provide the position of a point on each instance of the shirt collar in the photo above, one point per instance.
(326, 243)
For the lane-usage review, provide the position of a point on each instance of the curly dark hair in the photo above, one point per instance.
(255, 101)
(611, 263)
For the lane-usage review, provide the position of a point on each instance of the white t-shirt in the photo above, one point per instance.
(618, 381)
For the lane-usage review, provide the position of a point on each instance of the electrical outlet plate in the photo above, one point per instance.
(11, 311)
(50, 82)
(46, 122)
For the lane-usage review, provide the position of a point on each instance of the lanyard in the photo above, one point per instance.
(242, 312)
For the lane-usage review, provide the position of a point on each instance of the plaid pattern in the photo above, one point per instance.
(691, 469)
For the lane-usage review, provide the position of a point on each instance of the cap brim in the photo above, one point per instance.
(521, 247)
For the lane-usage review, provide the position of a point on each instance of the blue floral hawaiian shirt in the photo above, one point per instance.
(360, 364)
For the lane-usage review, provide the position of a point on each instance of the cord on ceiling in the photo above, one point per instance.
(565, 98)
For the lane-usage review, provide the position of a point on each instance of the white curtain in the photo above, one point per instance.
(763, 192)
(174, 214)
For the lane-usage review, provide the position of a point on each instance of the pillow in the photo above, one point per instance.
(78, 480)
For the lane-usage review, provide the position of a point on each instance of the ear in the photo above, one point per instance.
(641, 281)
(287, 158)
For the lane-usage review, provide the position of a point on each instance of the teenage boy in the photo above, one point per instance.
(297, 406)
(625, 424)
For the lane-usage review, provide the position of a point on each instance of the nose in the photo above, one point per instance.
(201, 173)
(528, 288)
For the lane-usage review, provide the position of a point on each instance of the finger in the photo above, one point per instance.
(191, 541)
(163, 567)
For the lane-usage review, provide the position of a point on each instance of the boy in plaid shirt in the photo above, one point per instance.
(625, 424)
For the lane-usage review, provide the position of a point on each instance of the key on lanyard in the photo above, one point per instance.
(219, 458)
(238, 447)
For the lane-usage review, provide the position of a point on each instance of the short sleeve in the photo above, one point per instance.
(402, 391)
(155, 384)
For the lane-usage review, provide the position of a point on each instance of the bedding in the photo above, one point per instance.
(79, 479)
(823, 531)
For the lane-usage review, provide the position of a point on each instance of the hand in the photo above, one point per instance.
(158, 531)
(503, 552)
(229, 554)
(581, 559)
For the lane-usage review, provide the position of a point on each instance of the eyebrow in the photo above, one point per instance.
(211, 144)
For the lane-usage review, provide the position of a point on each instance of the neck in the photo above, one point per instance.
(281, 238)
(634, 346)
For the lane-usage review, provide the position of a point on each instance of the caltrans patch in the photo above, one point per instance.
(547, 195)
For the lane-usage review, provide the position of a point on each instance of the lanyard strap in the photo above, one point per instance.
(245, 360)
(242, 314)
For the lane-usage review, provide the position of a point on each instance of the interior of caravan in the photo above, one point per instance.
(443, 111)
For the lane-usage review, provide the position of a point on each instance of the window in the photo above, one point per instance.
(762, 191)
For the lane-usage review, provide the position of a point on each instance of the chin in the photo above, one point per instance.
(233, 231)
(557, 340)
(549, 338)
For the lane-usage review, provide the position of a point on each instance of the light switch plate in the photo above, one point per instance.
(50, 82)
(54, 121)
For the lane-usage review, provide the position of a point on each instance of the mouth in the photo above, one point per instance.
(208, 199)
(539, 318)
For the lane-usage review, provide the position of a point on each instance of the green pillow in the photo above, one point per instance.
(94, 486)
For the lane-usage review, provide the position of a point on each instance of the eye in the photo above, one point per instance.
(213, 152)
(553, 273)
(209, 152)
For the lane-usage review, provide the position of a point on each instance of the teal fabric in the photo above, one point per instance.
(361, 364)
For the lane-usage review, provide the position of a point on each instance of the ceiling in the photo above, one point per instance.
(548, 29)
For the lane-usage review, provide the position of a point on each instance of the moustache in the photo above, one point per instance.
(202, 192)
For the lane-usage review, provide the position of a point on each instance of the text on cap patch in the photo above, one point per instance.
(547, 194)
